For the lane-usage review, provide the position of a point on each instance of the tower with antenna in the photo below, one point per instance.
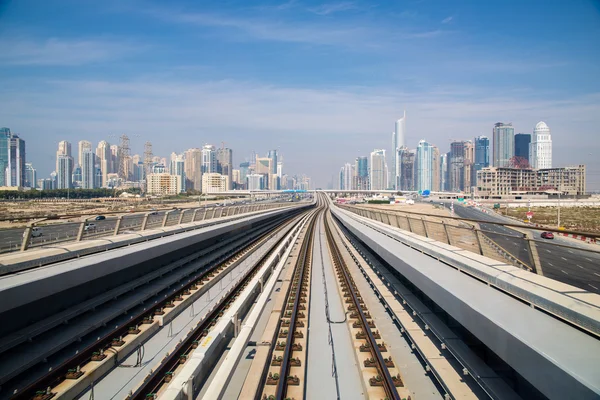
(147, 161)
(124, 157)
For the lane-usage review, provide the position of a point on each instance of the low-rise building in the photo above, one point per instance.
(163, 184)
(213, 183)
(494, 181)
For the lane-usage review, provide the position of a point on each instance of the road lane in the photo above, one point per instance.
(575, 267)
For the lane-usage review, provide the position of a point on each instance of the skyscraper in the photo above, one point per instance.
(347, 175)
(244, 171)
(15, 170)
(406, 165)
(88, 168)
(424, 161)
(456, 166)
(378, 170)
(5, 135)
(209, 159)
(83, 145)
(504, 144)
(435, 168)
(398, 138)
(482, 155)
(361, 166)
(193, 168)
(30, 175)
(178, 169)
(540, 149)
(443, 166)
(522, 141)
(65, 166)
(76, 178)
(64, 149)
(225, 164)
(104, 160)
(468, 161)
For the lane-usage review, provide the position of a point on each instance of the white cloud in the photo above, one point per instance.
(447, 19)
(333, 125)
(55, 51)
(330, 8)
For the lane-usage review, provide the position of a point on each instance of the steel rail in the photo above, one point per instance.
(58, 374)
(388, 382)
(302, 264)
(154, 382)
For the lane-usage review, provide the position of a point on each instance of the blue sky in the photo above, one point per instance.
(321, 81)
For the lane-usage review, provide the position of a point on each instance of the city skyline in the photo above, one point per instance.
(305, 76)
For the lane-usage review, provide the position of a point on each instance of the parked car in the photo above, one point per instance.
(35, 232)
(100, 218)
(90, 227)
(547, 235)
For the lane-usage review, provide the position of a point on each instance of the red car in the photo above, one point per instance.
(547, 235)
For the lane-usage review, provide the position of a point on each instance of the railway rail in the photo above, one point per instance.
(92, 356)
(287, 365)
(169, 366)
(363, 328)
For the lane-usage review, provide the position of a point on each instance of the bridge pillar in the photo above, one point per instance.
(194, 215)
(535, 258)
(213, 213)
(118, 225)
(204, 215)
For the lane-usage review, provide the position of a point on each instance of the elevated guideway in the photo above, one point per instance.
(554, 350)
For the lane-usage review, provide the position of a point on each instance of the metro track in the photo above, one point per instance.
(75, 367)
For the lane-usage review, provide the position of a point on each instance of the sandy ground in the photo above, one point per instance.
(41, 209)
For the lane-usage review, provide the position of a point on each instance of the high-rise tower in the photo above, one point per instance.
(398, 141)
(504, 144)
(540, 149)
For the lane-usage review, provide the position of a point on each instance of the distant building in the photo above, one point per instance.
(264, 167)
(378, 171)
(5, 135)
(468, 160)
(424, 166)
(76, 177)
(522, 141)
(88, 169)
(64, 149)
(225, 164)
(406, 167)
(193, 169)
(435, 169)
(178, 169)
(443, 166)
(104, 159)
(482, 155)
(456, 166)
(244, 171)
(209, 159)
(494, 182)
(255, 181)
(163, 184)
(398, 138)
(64, 174)
(30, 176)
(83, 145)
(347, 177)
(214, 182)
(361, 168)
(540, 149)
(504, 144)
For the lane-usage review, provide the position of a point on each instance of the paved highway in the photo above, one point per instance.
(576, 267)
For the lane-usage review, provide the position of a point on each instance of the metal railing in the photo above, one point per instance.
(14, 239)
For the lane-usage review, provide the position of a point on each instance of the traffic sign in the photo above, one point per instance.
(461, 199)
(529, 214)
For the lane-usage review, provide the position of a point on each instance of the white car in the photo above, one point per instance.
(35, 232)
(90, 227)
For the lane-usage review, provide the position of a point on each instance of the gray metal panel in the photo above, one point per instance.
(555, 358)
